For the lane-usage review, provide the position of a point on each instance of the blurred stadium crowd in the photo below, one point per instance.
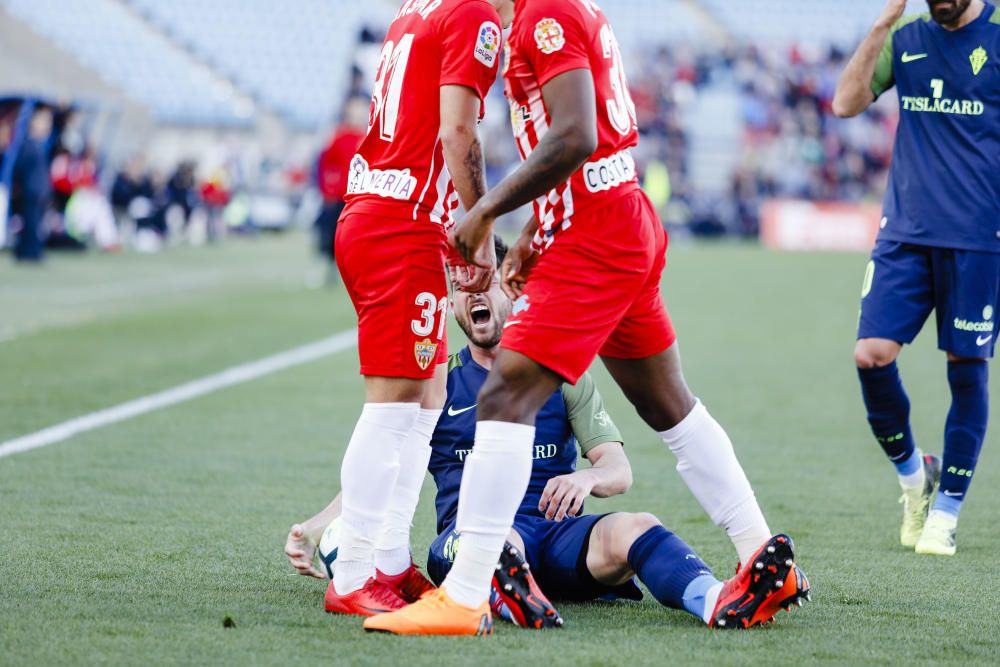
(138, 123)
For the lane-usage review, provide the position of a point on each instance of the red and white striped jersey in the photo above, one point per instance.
(399, 170)
(549, 38)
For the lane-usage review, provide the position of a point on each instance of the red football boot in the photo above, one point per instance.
(371, 599)
(768, 583)
(518, 590)
(410, 584)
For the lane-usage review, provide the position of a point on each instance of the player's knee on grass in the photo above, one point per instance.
(875, 352)
(611, 541)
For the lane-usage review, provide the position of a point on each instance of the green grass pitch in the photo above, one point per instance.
(131, 544)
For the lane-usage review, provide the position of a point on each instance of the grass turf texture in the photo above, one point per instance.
(135, 542)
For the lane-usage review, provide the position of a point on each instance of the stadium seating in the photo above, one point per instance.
(292, 57)
(115, 42)
(820, 22)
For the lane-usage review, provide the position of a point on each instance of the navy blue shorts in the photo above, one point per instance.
(556, 552)
(905, 282)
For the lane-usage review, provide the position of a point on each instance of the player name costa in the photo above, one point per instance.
(392, 183)
(958, 107)
(609, 172)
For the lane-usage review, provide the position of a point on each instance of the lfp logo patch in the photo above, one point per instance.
(488, 44)
(549, 36)
(425, 351)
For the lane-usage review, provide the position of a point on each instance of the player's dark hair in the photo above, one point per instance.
(500, 247)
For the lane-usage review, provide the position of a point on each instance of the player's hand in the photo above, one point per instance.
(474, 278)
(891, 13)
(564, 495)
(516, 266)
(470, 234)
(300, 551)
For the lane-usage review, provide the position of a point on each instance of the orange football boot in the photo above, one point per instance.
(410, 584)
(768, 583)
(434, 614)
(371, 599)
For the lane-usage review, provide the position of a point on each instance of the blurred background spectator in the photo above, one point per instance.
(182, 121)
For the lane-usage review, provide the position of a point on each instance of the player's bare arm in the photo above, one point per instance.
(463, 153)
(570, 140)
(610, 474)
(854, 92)
(303, 539)
(521, 257)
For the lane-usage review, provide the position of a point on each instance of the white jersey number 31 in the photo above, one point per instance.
(389, 86)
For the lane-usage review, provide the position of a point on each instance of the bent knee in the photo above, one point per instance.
(632, 526)
(875, 352)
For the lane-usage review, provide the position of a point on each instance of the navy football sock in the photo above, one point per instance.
(667, 565)
(889, 415)
(964, 431)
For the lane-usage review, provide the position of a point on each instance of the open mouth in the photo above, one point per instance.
(480, 314)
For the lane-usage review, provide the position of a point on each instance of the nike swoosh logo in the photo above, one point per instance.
(952, 494)
(907, 58)
(511, 323)
(452, 412)
(980, 341)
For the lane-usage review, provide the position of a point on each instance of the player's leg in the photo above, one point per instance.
(625, 544)
(401, 324)
(896, 298)
(706, 460)
(552, 337)
(967, 327)
(644, 359)
(393, 559)
(497, 471)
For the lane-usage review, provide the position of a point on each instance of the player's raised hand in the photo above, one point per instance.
(564, 495)
(516, 267)
(300, 551)
(470, 234)
(891, 12)
(474, 278)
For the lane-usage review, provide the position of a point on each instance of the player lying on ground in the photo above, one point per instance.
(421, 155)
(592, 261)
(572, 556)
(939, 246)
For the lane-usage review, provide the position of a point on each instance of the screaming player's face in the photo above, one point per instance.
(947, 12)
(482, 316)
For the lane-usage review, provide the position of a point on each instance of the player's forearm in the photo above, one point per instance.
(315, 525)
(610, 479)
(854, 88)
(463, 154)
(557, 156)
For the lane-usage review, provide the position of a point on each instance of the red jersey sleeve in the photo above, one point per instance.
(471, 42)
(553, 38)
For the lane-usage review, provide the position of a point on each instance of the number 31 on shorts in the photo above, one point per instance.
(434, 311)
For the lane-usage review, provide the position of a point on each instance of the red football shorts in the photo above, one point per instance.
(394, 273)
(596, 291)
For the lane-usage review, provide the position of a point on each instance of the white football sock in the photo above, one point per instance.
(708, 465)
(367, 477)
(711, 599)
(494, 480)
(392, 549)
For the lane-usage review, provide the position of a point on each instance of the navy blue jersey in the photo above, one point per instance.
(573, 416)
(943, 186)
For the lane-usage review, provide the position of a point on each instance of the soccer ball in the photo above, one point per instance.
(328, 545)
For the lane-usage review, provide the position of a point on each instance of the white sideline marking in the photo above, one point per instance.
(181, 393)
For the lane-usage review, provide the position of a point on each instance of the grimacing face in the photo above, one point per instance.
(482, 316)
(947, 12)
